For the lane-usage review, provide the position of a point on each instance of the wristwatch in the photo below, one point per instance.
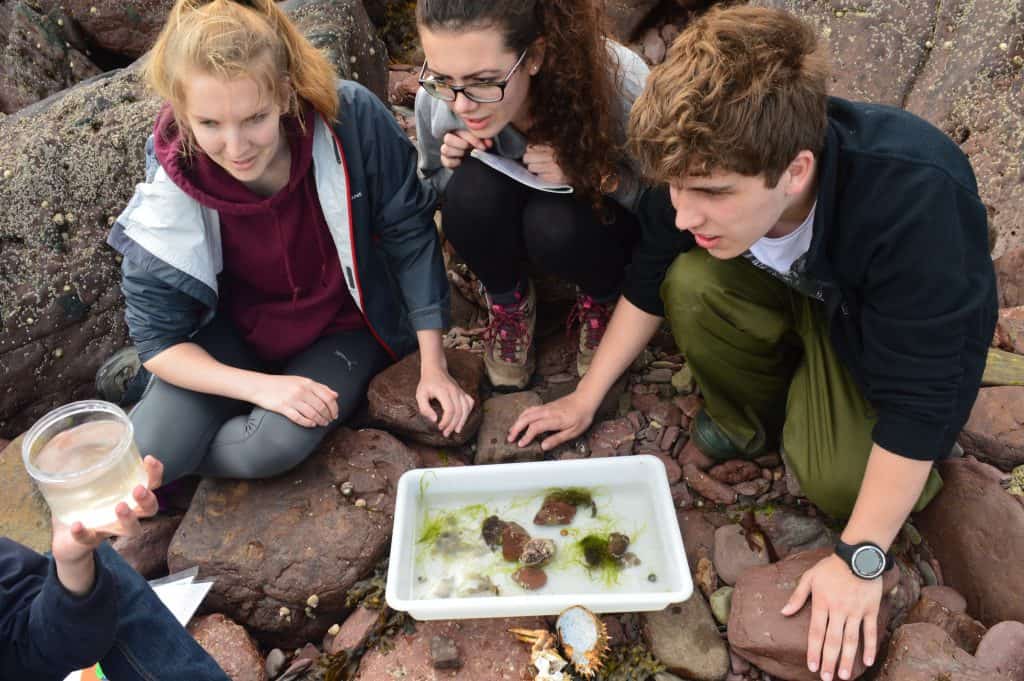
(867, 560)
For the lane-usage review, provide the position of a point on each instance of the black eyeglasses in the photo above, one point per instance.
(481, 93)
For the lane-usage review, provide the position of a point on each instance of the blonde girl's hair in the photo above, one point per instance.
(230, 39)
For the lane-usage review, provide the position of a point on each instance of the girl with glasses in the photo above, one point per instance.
(535, 81)
(280, 252)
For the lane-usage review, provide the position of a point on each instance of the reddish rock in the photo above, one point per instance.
(697, 527)
(691, 454)
(499, 413)
(924, 652)
(735, 471)
(392, 398)
(684, 637)
(707, 487)
(644, 402)
(689, 404)
(403, 84)
(116, 26)
(976, 531)
(666, 414)
(356, 630)
(945, 596)
(681, 496)
(752, 488)
(230, 645)
(1010, 330)
(271, 544)
(555, 512)
(995, 431)
(1010, 278)
(147, 551)
(735, 553)
(1002, 650)
(530, 578)
(490, 652)
(790, 531)
(612, 438)
(776, 643)
(965, 631)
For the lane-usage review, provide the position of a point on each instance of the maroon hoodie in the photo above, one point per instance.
(282, 284)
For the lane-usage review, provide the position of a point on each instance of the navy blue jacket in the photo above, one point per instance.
(46, 632)
(900, 246)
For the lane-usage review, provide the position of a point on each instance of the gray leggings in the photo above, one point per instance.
(192, 432)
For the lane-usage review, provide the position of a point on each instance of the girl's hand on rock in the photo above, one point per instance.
(299, 399)
(456, 405)
(540, 159)
(841, 603)
(566, 417)
(457, 143)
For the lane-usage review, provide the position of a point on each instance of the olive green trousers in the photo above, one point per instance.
(761, 354)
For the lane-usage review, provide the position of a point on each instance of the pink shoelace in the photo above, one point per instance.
(593, 316)
(507, 328)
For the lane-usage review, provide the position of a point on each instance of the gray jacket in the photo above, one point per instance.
(434, 119)
(379, 214)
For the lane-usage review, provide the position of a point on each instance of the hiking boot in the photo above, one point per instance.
(711, 440)
(508, 340)
(593, 318)
(122, 379)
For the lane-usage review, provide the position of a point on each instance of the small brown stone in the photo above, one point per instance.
(492, 530)
(618, 543)
(555, 512)
(513, 539)
(443, 653)
(530, 578)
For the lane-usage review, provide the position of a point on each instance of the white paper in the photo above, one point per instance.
(181, 593)
(518, 172)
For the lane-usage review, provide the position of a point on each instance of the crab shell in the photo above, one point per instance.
(584, 638)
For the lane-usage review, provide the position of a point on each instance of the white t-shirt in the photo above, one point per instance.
(780, 253)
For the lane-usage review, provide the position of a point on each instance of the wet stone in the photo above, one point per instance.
(493, 527)
(530, 578)
(618, 543)
(537, 552)
(555, 512)
(443, 653)
(513, 539)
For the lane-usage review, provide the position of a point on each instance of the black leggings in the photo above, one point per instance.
(496, 224)
(192, 432)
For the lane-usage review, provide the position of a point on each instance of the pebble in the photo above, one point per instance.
(275, 662)
(360, 503)
(530, 578)
(346, 488)
(443, 653)
(335, 628)
(313, 601)
(721, 604)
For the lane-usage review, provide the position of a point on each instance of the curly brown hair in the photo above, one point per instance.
(743, 89)
(573, 97)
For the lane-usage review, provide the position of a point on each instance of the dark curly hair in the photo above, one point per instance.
(572, 99)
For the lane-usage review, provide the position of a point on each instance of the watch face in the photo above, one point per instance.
(868, 561)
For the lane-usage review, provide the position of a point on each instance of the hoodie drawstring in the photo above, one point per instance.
(312, 199)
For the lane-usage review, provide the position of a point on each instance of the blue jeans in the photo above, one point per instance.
(150, 644)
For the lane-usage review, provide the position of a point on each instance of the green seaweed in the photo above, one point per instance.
(577, 496)
(592, 553)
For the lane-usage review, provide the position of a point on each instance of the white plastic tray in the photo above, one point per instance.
(501, 481)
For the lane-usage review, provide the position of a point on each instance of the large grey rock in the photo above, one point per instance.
(975, 529)
(36, 59)
(995, 431)
(392, 398)
(955, 63)
(791, 531)
(924, 652)
(685, 638)
(24, 516)
(489, 652)
(271, 544)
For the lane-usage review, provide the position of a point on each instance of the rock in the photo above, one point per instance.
(673, 472)
(356, 630)
(976, 531)
(275, 663)
(924, 652)
(1010, 330)
(270, 544)
(537, 552)
(230, 645)
(491, 652)
(513, 540)
(555, 512)
(778, 644)
(735, 471)
(612, 438)
(432, 457)
(499, 413)
(392, 398)
(965, 631)
(752, 489)
(735, 553)
(402, 86)
(36, 59)
(530, 578)
(147, 552)
(116, 26)
(1010, 277)
(625, 16)
(945, 596)
(24, 515)
(443, 653)
(721, 603)
(666, 414)
(708, 488)
(685, 638)
(1002, 650)
(681, 496)
(697, 528)
(653, 49)
(690, 454)
(995, 431)
(342, 30)
(790, 531)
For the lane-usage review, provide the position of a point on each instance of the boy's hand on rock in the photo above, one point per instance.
(456, 405)
(299, 399)
(566, 417)
(457, 143)
(841, 603)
